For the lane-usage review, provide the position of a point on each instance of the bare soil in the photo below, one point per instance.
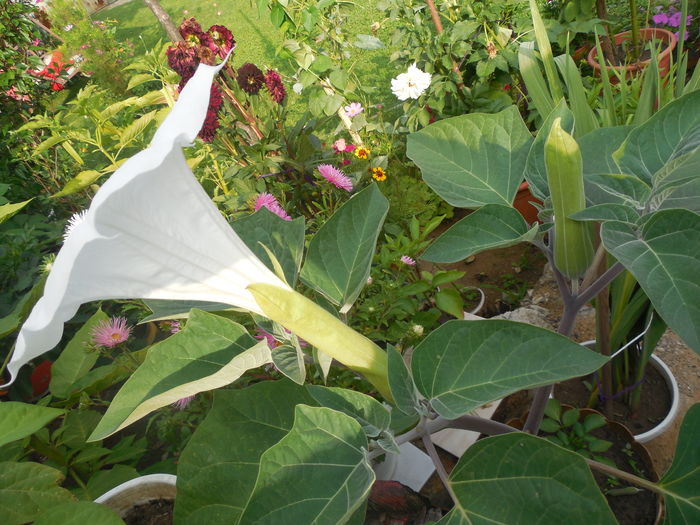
(154, 512)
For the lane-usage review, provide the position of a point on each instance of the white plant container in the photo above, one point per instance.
(139, 490)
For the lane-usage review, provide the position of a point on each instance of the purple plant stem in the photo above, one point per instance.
(572, 305)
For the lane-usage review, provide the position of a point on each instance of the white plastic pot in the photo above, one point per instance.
(659, 429)
(139, 490)
(672, 385)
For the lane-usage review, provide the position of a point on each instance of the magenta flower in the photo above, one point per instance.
(181, 404)
(354, 109)
(408, 260)
(660, 18)
(335, 177)
(111, 333)
(675, 19)
(268, 337)
(267, 200)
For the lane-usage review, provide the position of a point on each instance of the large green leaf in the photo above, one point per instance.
(28, 489)
(663, 254)
(535, 170)
(474, 159)
(80, 513)
(20, 312)
(340, 253)
(210, 352)
(598, 146)
(465, 364)
(76, 359)
(171, 309)
(215, 479)
(671, 134)
(616, 188)
(681, 483)
(367, 411)
(9, 209)
(518, 479)
(22, 419)
(318, 473)
(285, 239)
(493, 226)
(401, 383)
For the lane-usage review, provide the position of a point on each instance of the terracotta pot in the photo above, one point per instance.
(523, 203)
(645, 35)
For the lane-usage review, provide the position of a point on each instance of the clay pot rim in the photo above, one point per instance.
(670, 38)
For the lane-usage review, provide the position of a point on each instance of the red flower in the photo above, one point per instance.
(222, 39)
(274, 85)
(250, 78)
(41, 377)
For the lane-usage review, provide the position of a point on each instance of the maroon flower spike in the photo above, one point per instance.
(250, 78)
(274, 85)
(190, 26)
(182, 59)
(211, 121)
(222, 39)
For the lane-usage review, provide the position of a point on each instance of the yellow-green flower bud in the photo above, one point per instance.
(573, 240)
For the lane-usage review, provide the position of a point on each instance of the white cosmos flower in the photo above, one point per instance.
(150, 232)
(410, 84)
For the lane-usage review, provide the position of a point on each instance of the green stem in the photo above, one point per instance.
(641, 482)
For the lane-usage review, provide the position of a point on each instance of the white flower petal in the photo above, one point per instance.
(150, 232)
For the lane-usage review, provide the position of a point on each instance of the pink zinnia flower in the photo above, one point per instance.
(269, 201)
(335, 177)
(354, 109)
(350, 148)
(111, 333)
(408, 260)
(181, 404)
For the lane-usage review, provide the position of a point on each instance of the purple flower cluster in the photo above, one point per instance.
(672, 18)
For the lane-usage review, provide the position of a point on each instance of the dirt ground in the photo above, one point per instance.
(683, 362)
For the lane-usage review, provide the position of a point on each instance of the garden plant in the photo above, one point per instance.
(247, 318)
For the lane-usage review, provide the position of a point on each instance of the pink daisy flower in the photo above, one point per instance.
(408, 260)
(111, 333)
(354, 109)
(269, 201)
(335, 177)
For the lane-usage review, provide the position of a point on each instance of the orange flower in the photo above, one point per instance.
(362, 152)
(378, 174)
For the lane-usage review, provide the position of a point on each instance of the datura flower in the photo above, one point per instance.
(152, 232)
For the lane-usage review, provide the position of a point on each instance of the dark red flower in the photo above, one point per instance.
(274, 85)
(41, 377)
(182, 59)
(190, 26)
(250, 78)
(222, 39)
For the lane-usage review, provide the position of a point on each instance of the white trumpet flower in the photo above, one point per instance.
(152, 232)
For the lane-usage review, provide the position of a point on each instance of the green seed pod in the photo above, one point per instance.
(573, 240)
